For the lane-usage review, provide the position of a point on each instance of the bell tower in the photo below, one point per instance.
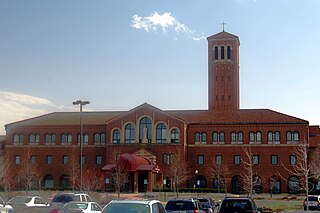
(223, 72)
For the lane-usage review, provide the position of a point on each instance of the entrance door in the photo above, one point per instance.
(142, 184)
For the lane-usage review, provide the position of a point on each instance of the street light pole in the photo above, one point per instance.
(81, 103)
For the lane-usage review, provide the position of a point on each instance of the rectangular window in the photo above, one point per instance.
(274, 159)
(200, 160)
(218, 159)
(98, 159)
(236, 160)
(293, 160)
(255, 159)
(83, 159)
(33, 159)
(17, 159)
(49, 159)
(65, 159)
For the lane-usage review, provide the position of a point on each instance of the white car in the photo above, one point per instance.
(137, 206)
(19, 203)
(5, 208)
(85, 207)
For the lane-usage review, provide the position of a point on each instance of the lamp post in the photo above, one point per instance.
(81, 103)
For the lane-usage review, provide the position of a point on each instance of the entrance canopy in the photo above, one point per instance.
(134, 163)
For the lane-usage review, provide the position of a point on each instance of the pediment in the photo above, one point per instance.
(151, 157)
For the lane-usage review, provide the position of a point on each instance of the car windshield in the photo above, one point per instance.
(76, 206)
(312, 199)
(126, 208)
(205, 203)
(236, 205)
(180, 205)
(20, 200)
(63, 198)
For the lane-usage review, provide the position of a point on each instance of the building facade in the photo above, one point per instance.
(212, 145)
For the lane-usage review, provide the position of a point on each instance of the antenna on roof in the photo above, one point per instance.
(223, 23)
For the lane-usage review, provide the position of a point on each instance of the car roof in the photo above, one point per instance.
(135, 201)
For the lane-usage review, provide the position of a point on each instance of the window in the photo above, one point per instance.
(98, 159)
(65, 159)
(49, 159)
(251, 137)
(255, 159)
(258, 137)
(103, 138)
(145, 129)
(228, 52)
(32, 139)
(197, 137)
(17, 159)
(116, 136)
(236, 160)
(96, 138)
(18, 139)
(203, 137)
(69, 140)
(274, 159)
(83, 159)
(215, 137)
(277, 137)
(85, 138)
(171, 158)
(33, 159)
(161, 133)
(240, 137)
(99, 138)
(216, 53)
(293, 160)
(222, 52)
(200, 159)
(50, 138)
(129, 134)
(218, 160)
(174, 135)
(165, 158)
(233, 137)
(289, 137)
(296, 136)
(221, 138)
(64, 138)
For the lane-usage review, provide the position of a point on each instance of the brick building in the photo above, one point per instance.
(151, 139)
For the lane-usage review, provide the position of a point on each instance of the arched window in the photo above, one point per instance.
(175, 135)
(258, 137)
(216, 53)
(203, 137)
(240, 137)
(37, 138)
(221, 137)
(222, 52)
(69, 140)
(64, 138)
(85, 138)
(16, 138)
(270, 136)
(50, 138)
(251, 136)
(96, 138)
(197, 137)
(215, 137)
(296, 136)
(161, 133)
(289, 136)
(228, 52)
(233, 137)
(165, 158)
(293, 185)
(145, 129)
(32, 139)
(116, 136)
(237, 184)
(48, 181)
(129, 134)
(277, 136)
(171, 158)
(103, 138)
(274, 184)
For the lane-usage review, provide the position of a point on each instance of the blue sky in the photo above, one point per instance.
(120, 54)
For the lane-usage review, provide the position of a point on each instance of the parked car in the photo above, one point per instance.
(191, 205)
(21, 202)
(4, 207)
(61, 199)
(239, 205)
(134, 206)
(84, 207)
(313, 202)
(207, 204)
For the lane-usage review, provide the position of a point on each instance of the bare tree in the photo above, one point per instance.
(250, 178)
(119, 173)
(219, 173)
(315, 164)
(28, 172)
(74, 168)
(178, 170)
(92, 179)
(7, 180)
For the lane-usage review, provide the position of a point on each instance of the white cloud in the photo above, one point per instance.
(15, 107)
(155, 21)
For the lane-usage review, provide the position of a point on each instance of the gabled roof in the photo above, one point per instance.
(223, 35)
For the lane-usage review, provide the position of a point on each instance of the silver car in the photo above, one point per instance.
(134, 206)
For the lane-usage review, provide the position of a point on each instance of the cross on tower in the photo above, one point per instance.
(223, 23)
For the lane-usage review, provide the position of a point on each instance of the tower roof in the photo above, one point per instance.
(223, 35)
